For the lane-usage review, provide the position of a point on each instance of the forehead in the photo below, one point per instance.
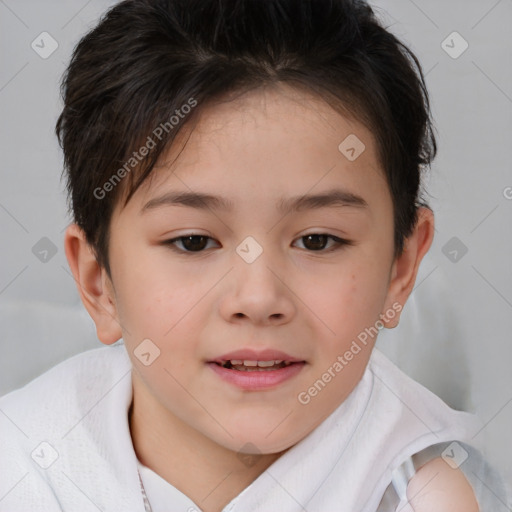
(273, 139)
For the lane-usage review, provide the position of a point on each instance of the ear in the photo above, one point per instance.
(405, 267)
(94, 285)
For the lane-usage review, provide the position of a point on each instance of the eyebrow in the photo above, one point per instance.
(201, 201)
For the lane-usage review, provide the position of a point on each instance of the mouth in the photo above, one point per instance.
(249, 359)
(256, 374)
(255, 366)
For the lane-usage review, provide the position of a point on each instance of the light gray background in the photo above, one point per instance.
(454, 336)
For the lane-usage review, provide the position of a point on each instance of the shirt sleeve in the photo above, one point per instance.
(488, 486)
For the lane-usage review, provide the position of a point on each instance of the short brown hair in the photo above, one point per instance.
(146, 59)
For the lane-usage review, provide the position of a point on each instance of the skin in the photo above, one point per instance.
(438, 487)
(267, 145)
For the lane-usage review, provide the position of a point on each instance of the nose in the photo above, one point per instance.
(257, 294)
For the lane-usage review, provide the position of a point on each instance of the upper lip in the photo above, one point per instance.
(248, 354)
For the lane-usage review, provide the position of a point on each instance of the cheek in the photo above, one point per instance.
(346, 299)
(156, 300)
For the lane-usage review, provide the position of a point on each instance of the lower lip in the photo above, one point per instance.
(257, 380)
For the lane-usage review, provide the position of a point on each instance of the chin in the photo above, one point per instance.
(257, 441)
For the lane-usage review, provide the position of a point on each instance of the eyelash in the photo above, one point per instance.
(339, 243)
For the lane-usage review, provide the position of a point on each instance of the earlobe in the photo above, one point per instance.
(93, 284)
(406, 265)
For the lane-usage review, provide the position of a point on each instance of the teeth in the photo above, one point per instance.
(261, 364)
(249, 365)
(265, 364)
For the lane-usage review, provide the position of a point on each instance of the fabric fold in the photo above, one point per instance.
(65, 442)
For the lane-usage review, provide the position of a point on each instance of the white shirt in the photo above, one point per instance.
(65, 444)
(160, 493)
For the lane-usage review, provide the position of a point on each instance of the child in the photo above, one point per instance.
(244, 180)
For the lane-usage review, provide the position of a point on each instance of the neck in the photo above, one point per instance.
(211, 475)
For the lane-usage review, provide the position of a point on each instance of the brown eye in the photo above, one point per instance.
(315, 242)
(322, 242)
(190, 243)
(194, 243)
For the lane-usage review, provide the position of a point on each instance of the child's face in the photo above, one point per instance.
(257, 151)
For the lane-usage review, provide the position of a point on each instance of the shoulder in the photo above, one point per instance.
(438, 487)
(65, 392)
(84, 366)
(71, 415)
(407, 400)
